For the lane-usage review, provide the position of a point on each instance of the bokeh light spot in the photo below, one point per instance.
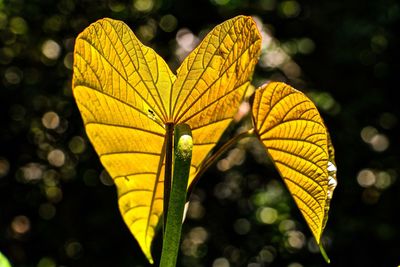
(168, 23)
(235, 157)
(53, 24)
(242, 226)
(383, 180)
(143, 5)
(222, 191)
(366, 178)
(296, 239)
(56, 157)
(290, 9)
(50, 177)
(223, 165)
(371, 196)
(54, 194)
(3, 20)
(185, 39)
(18, 25)
(244, 107)
(323, 100)
(267, 254)
(50, 120)
(286, 225)
(312, 245)
(51, 49)
(13, 75)
(116, 6)
(291, 69)
(6, 55)
(73, 249)
(305, 46)
(220, 2)
(221, 262)
(20, 225)
(47, 211)
(267, 215)
(268, 4)
(379, 142)
(367, 133)
(146, 32)
(106, 179)
(195, 210)
(4, 167)
(198, 235)
(32, 171)
(46, 262)
(77, 145)
(68, 60)
(274, 58)
(379, 43)
(66, 6)
(193, 242)
(290, 47)
(388, 120)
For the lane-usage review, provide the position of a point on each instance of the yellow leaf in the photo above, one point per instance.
(212, 81)
(121, 88)
(127, 94)
(290, 127)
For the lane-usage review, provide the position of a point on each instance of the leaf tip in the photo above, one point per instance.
(149, 256)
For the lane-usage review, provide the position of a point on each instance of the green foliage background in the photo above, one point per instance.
(58, 207)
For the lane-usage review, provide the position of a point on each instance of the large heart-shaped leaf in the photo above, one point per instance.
(127, 95)
(291, 129)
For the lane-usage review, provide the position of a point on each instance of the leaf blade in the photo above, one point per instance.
(296, 139)
(212, 81)
(121, 88)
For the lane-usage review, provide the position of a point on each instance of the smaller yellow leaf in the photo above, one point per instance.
(291, 129)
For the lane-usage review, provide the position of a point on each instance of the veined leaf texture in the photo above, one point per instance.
(290, 127)
(127, 94)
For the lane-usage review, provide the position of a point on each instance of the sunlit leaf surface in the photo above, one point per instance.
(291, 129)
(127, 94)
(212, 81)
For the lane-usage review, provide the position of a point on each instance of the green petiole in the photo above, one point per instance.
(183, 145)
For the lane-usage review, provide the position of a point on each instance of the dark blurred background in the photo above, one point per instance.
(58, 207)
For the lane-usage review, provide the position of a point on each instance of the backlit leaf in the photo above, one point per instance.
(212, 81)
(121, 88)
(127, 94)
(290, 127)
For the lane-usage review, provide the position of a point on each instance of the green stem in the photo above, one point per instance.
(183, 145)
(323, 253)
